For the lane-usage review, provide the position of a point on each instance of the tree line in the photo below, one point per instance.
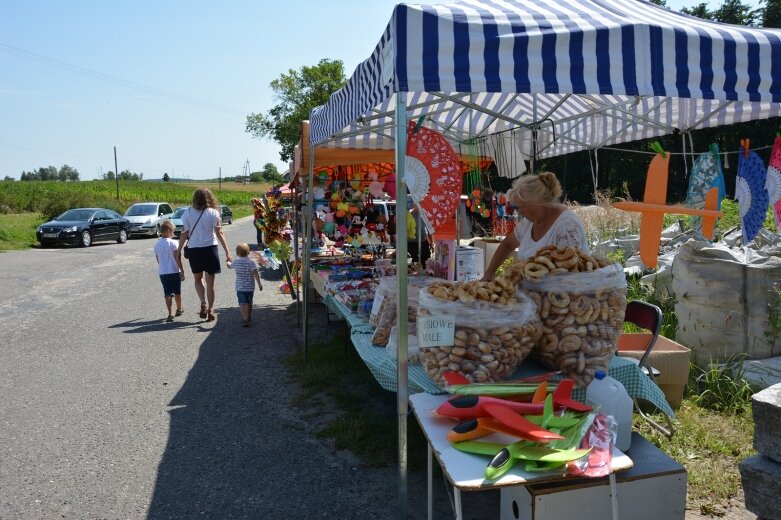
(51, 173)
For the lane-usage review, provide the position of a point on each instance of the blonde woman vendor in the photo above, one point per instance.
(545, 221)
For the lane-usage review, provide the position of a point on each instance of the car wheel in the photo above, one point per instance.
(86, 239)
(230, 220)
(157, 231)
(122, 238)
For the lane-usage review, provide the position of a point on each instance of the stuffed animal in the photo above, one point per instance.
(330, 223)
(376, 188)
(338, 238)
(380, 228)
(335, 199)
(342, 209)
(390, 185)
(356, 180)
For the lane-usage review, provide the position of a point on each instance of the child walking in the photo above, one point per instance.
(246, 276)
(169, 266)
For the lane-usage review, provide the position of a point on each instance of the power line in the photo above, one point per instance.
(51, 62)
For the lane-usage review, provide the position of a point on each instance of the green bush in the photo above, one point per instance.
(636, 290)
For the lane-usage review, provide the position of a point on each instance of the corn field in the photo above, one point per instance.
(50, 198)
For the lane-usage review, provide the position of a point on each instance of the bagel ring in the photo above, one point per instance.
(544, 260)
(565, 258)
(579, 304)
(549, 342)
(533, 270)
(570, 343)
(559, 299)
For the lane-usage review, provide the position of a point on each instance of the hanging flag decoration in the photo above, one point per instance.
(750, 192)
(706, 174)
(433, 175)
(773, 182)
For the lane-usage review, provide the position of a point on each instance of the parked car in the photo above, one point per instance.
(83, 226)
(227, 215)
(176, 219)
(145, 217)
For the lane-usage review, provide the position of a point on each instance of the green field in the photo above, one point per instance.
(25, 205)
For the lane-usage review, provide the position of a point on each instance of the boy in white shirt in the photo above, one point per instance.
(170, 268)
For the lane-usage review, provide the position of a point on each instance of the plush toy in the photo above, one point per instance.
(380, 228)
(356, 180)
(338, 238)
(342, 209)
(319, 193)
(330, 223)
(376, 188)
(335, 199)
(390, 185)
(317, 226)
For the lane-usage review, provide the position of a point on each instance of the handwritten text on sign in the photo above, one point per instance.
(436, 331)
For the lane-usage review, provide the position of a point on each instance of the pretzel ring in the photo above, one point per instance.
(534, 270)
(581, 362)
(544, 260)
(559, 299)
(535, 297)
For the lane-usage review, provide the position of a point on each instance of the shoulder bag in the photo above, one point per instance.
(186, 251)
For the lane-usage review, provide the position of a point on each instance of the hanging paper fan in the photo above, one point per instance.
(773, 182)
(751, 193)
(417, 178)
(440, 165)
(706, 174)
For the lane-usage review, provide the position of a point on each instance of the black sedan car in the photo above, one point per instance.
(83, 226)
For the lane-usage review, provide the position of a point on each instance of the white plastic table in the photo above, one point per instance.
(465, 471)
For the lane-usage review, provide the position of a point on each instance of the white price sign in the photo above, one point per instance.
(436, 331)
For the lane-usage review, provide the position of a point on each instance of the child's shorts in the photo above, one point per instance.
(172, 283)
(245, 297)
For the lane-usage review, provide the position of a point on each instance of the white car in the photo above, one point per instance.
(145, 217)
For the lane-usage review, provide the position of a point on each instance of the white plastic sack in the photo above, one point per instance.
(722, 300)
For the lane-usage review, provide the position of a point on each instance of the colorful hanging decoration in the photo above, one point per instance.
(433, 175)
(750, 191)
(270, 218)
(705, 175)
(773, 182)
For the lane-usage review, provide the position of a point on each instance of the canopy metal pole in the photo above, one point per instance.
(296, 253)
(310, 202)
(401, 300)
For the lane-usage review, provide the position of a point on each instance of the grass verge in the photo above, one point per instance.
(17, 230)
(365, 420)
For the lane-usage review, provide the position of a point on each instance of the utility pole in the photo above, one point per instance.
(220, 179)
(172, 175)
(116, 171)
(246, 172)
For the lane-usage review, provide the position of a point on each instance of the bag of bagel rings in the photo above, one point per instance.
(582, 315)
(482, 340)
(383, 313)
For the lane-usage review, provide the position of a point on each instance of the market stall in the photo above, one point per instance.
(556, 78)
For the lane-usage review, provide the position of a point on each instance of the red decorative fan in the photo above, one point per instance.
(433, 176)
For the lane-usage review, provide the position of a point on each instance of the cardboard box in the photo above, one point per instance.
(488, 245)
(668, 357)
(469, 263)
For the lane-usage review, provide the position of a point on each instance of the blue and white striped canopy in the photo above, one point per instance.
(592, 73)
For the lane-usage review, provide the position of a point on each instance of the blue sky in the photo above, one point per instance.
(169, 83)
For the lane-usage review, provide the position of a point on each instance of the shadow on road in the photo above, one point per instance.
(222, 434)
(136, 326)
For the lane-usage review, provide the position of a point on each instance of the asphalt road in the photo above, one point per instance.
(106, 411)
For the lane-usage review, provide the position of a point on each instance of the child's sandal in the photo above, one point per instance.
(202, 314)
(211, 316)
(179, 312)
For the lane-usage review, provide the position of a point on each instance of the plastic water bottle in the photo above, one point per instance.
(613, 399)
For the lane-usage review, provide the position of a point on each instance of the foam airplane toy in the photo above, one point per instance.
(654, 207)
